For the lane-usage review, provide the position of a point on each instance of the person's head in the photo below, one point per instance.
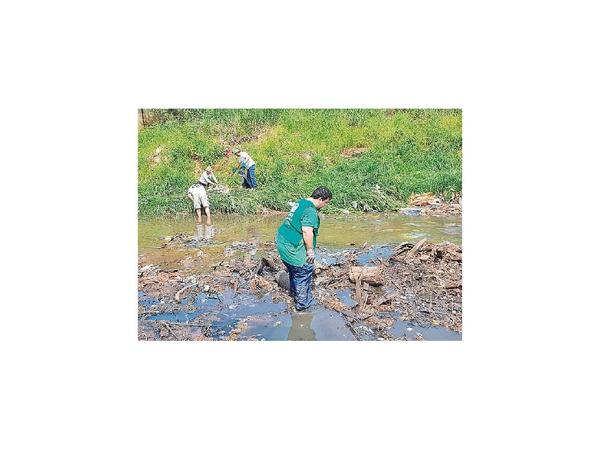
(208, 169)
(236, 151)
(322, 195)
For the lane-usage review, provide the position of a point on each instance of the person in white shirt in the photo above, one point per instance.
(247, 164)
(197, 194)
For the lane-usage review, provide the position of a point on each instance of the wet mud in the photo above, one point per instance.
(238, 290)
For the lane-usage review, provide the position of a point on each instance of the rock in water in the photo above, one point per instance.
(283, 280)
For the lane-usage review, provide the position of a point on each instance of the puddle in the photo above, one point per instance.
(230, 309)
(222, 325)
(205, 301)
(330, 326)
(257, 309)
(268, 328)
(180, 317)
(317, 325)
(240, 307)
(345, 296)
(326, 257)
(146, 300)
(267, 320)
(374, 255)
(406, 329)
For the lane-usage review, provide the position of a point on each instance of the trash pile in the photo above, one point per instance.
(428, 204)
(373, 288)
(220, 188)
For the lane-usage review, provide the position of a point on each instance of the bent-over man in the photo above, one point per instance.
(248, 165)
(198, 195)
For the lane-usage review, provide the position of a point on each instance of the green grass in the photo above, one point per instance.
(409, 151)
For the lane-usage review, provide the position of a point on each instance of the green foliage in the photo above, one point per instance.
(400, 152)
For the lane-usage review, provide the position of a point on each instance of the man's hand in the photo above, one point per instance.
(310, 256)
(307, 236)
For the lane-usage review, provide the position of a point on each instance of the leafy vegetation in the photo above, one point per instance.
(371, 159)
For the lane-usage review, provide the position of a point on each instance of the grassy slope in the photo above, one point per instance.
(409, 151)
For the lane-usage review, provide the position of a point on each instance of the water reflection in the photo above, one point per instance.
(335, 232)
(199, 235)
(204, 233)
(301, 329)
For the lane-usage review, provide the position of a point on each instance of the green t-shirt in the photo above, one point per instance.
(296, 254)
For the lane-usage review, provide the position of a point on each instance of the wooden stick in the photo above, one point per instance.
(416, 248)
(170, 330)
(183, 289)
(358, 288)
(396, 284)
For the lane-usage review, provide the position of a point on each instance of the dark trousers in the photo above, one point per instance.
(301, 284)
(250, 178)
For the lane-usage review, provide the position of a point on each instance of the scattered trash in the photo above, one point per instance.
(364, 328)
(417, 283)
(220, 188)
(425, 199)
(258, 282)
(411, 211)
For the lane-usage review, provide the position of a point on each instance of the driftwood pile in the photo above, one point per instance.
(420, 282)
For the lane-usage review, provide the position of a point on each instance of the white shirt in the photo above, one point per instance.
(196, 188)
(245, 160)
(205, 178)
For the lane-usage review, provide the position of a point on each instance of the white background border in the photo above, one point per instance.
(75, 73)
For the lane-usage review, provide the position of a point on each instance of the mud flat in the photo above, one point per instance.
(238, 291)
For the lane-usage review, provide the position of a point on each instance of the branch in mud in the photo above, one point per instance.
(166, 325)
(416, 248)
(419, 283)
(371, 275)
(179, 292)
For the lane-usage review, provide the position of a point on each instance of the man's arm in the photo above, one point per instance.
(190, 196)
(307, 236)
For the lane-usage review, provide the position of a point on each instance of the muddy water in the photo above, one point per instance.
(335, 232)
(319, 324)
(264, 318)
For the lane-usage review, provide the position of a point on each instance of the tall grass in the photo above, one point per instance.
(407, 151)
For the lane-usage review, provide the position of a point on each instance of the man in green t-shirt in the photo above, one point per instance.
(296, 242)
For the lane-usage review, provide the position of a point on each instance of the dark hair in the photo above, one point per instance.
(322, 192)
